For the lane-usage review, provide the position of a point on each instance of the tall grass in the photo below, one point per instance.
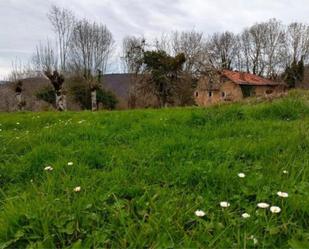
(143, 174)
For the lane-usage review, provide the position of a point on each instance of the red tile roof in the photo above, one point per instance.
(247, 78)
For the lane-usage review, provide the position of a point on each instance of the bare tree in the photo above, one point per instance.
(239, 62)
(192, 45)
(253, 43)
(297, 42)
(221, 48)
(257, 33)
(17, 76)
(46, 61)
(266, 48)
(163, 43)
(133, 49)
(274, 48)
(91, 47)
(245, 49)
(62, 21)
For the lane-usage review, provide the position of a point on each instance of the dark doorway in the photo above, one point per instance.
(248, 91)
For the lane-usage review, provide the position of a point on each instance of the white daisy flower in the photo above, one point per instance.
(70, 163)
(200, 213)
(18, 123)
(283, 194)
(263, 205)
(285, 172)
(241, 175)
(48, 168)
(77, 189)
(225, 204)
(255, 240)
(275, 210)
(246, 215)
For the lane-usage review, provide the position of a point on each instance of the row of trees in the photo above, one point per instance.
(82, 49)
(265, 49)
(268, 49)
(167, 67)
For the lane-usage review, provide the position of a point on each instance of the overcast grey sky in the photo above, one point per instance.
(23, 23)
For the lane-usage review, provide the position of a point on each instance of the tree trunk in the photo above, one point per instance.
(64, 96)
(163, 102)
(60, 101)
(94, 104)
(19, 100)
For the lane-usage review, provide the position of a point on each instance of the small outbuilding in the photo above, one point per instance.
(230, 86)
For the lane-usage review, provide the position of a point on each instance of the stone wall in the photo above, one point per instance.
(228, 92)
(268, 91)
(231, 92)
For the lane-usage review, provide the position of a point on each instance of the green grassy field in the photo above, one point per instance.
(143, 174)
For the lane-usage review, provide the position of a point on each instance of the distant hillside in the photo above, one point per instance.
(119, 84)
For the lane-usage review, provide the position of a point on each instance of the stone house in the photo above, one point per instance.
(230, 86)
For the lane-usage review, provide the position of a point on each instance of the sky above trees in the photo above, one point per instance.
(24, 23)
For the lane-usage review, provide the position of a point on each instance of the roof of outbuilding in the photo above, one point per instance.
(241, 78)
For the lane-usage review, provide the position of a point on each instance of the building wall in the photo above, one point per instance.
(265, 91)
(231, 92)
(228, 92)
(203, 98)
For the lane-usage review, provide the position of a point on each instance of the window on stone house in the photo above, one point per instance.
(210, 94)
(196, 94)
(223, 94)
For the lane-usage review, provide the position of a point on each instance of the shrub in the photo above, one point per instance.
(47, 94)
(107, 99)
(82, 94)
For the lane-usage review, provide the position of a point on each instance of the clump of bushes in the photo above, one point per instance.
(107, 99)
(82, 94)
(47, 94)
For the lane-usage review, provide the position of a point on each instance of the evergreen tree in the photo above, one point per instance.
(301, 70)
(294, 73)
(164, 70)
